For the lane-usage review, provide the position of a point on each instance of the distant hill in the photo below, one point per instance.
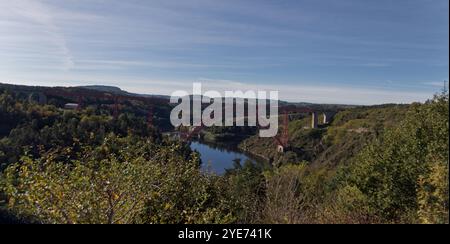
(98, 88)
(110, 89)
(119, 91)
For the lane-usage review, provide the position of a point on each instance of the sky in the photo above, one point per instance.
(327, 51)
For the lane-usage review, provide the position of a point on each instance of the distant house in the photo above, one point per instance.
(71, 106)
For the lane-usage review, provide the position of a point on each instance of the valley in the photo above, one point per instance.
(365, 164)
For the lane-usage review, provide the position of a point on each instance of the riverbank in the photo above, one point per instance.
(234, 141)
(253, 154)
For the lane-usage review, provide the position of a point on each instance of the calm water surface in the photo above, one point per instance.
(218, 158)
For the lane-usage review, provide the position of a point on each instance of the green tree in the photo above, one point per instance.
(120, 181)
(403, 174)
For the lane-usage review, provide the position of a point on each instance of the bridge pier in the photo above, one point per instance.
(280, 149)
(314, 120)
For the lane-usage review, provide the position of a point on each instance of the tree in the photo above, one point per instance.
(120, 181)
(404, 174)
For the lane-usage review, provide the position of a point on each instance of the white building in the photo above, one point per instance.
(71, 106)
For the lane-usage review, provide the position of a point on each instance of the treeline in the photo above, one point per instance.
(33, 129)
(400, 177)
(62, 166)
(333, 144)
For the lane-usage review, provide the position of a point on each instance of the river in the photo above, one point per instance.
(218, 158)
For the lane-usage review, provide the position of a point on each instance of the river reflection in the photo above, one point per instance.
(218, 157)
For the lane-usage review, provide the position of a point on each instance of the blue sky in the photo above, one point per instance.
(328, 51)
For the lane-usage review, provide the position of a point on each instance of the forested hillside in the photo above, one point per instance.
(385, 164)
(332, 144)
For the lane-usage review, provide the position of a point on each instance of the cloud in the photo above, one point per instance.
(437, 84)
(331, 94)
(159, 46)
(326, 94)
(159, 64)
(374, 65)
(32, 21)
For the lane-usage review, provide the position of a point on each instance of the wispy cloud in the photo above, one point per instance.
(326, 94)
(29, 21)
(315, 51)
(436, 83)
(298, 93)
(159, 64)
